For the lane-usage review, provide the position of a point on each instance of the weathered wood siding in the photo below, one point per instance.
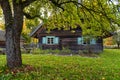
(68, 42)
(68, 39)
(2, 44)
(71, 43)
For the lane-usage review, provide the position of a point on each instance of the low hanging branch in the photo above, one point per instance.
(56, 3)
(27, 15)
(27, 3)
(106, 16)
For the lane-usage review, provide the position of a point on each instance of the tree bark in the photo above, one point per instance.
(13, 26)
(118, 45)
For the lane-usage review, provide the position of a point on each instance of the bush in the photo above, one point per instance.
(50, 51)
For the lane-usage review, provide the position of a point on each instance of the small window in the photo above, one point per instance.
(93, 41)
(86, 40)
(50, 40)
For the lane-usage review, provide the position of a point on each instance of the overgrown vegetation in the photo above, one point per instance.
(64, 51)
(52, 67)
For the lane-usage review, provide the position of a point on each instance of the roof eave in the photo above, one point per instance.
(33, 33)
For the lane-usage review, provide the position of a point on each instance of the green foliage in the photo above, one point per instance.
(26, 37)
(116, 38)
(31, 24)
(1, 19)
(17, 1)
(94, 17)
(39, 9)
(0, 12)
(65, 51)
(52, 67)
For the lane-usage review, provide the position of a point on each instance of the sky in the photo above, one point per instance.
(115, 2)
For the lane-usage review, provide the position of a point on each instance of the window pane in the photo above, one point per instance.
(52, 40)
(49, 40)
(93, 41)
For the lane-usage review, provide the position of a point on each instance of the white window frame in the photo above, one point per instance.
(81, 40)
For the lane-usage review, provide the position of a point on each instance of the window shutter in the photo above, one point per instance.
(43, 40)
(56, 40)
(80, 40)
(92, 41)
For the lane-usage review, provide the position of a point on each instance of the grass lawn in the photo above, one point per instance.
(52, 67)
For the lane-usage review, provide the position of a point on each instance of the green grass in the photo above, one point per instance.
(52, 67)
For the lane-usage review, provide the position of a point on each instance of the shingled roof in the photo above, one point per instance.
(2, 35)
(36, 29)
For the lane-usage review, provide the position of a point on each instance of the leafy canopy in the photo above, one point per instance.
(96, 17)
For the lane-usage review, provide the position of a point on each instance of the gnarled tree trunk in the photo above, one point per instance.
(13, 26)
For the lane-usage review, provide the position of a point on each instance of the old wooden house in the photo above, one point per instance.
(2, 39)
(71, 39)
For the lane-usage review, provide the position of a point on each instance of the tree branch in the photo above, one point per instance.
(27, 3)
(69, 2)
(31, 17)
(105, 14)
(57, 4)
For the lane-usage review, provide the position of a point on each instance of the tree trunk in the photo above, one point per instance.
(13, 52)
(118, 45)
(13, 26)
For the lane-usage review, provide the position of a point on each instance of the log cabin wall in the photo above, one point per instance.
(2, 44)
(67, 39)
(70, 42)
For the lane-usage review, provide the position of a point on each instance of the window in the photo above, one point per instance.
(80, 40)
(50, 40)
(93, 41)
(86, 40)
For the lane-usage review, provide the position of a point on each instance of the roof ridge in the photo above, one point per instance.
(34, 31)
